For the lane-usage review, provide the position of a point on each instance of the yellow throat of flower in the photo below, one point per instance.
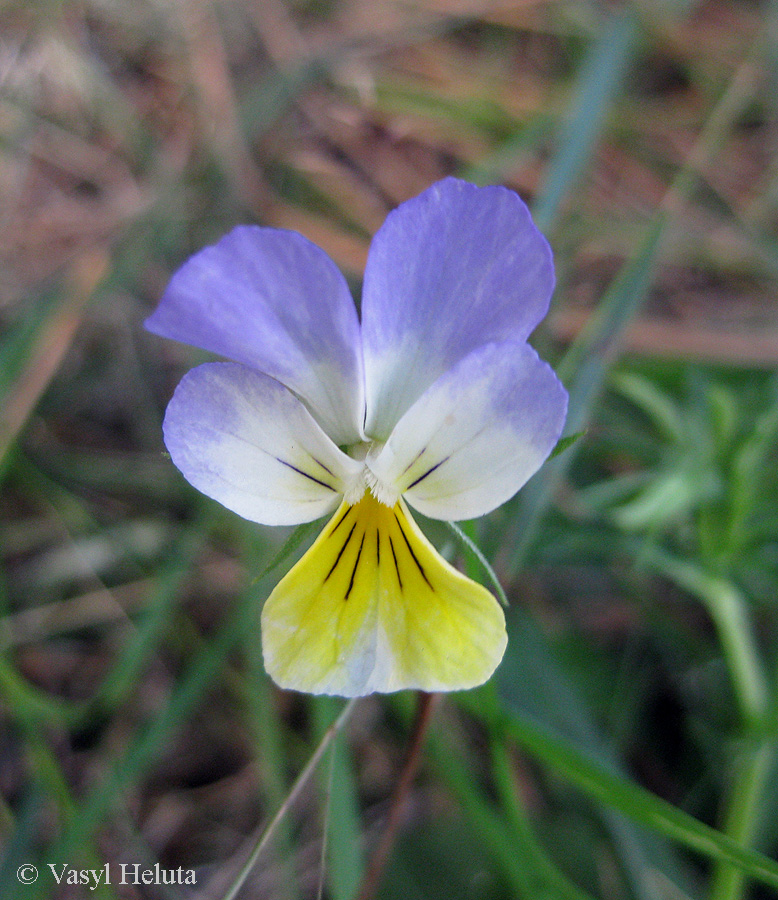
(372, 606)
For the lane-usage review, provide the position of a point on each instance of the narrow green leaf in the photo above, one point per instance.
(151, 626)
(653, 401)
(302, 779)
(587, 361)
(146, 746)
(264, 104)
(291, 544)
(584, 369)
(50, 784)
(549, 878)
(271, 757)
(729, 610)
(489, 826)
(599, 82)
(563, 443)
(532, 685)
(637, 803)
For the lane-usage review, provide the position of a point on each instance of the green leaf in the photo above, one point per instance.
(144, 749)
(295, 539)
(640, 805)
(534, 687)
(563, 443)
(584, 369)
(653, 401)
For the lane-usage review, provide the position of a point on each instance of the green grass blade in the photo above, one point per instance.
(51, 785)
(298, 785)
(599, 83)
(745, 807)
(550, 879)
(31, 356)
(295, 540)
(271, 758)
(729, 610)
(532, 685)
(152, 626)
(18, 846)
(262, 106)
(587, 362)
(490, 827)
(584, 369)
(639, 804)
(146, 746)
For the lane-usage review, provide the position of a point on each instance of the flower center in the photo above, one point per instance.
(366, 480)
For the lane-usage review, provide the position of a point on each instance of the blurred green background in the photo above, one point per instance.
(627, 746)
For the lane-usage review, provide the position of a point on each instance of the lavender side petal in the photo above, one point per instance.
(272, 300)
(246, 441)
(476, 435)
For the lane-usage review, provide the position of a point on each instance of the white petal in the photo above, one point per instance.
(477, 435)
(245, 440)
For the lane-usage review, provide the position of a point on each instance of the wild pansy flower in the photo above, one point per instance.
(431, 400)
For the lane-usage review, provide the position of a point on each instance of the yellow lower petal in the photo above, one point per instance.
(372, 606)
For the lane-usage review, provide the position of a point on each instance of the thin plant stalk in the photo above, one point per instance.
(729, 611)
(375, 869)
(297, 787)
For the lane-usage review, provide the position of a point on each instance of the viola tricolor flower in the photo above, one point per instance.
(430, 399)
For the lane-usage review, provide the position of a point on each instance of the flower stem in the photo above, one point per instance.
(755, 761)
(375, 869)
(742, 814)
(300, 782)
(741, 818)
(729, 611)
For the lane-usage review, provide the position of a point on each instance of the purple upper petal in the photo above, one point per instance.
(448, 271)
(272, 300)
